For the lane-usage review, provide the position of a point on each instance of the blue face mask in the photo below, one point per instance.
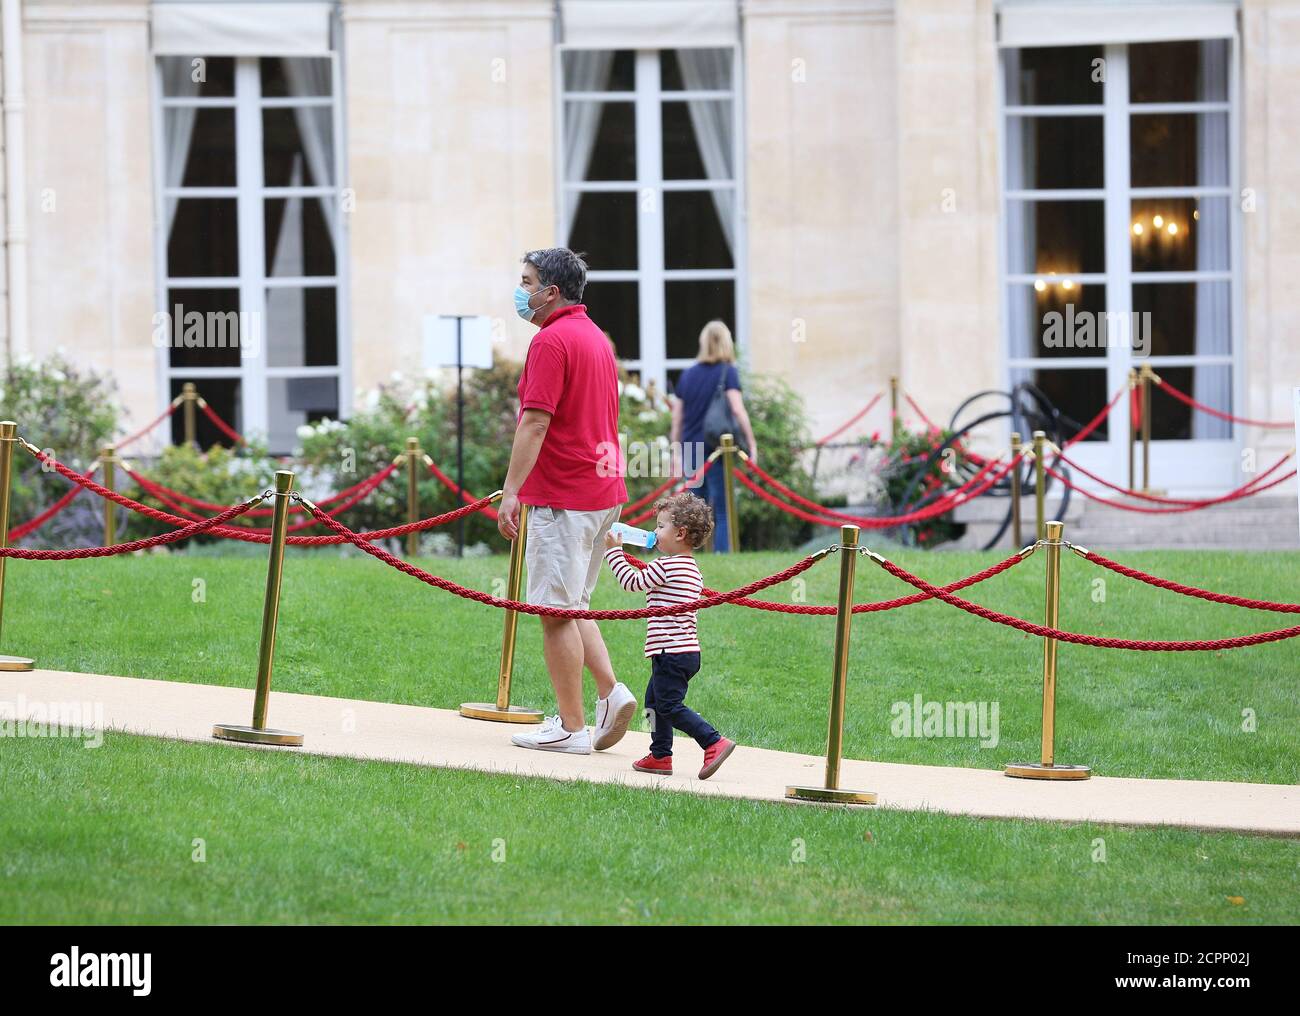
(522, 298)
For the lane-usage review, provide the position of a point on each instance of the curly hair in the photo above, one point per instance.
(690, 513)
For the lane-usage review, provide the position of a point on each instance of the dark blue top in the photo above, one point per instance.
(695, 388)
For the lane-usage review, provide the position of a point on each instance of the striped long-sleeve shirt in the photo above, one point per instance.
(666, 581)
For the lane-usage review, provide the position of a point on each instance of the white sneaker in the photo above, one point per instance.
(613, 714)
(551, 736)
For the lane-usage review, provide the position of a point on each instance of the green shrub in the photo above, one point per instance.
(72, 413)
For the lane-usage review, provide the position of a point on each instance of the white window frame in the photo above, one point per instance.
(250, 194)
(650, 274)
(1193, 465)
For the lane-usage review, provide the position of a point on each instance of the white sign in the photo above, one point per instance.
(440, 341)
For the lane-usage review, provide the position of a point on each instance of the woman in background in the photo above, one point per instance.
(715, 365)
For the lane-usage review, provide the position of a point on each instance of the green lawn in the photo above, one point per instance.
(108, 836)
(351, 627)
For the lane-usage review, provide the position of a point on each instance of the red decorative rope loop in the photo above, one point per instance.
(1200, 645)
(851, 421)
(193, 529)
(1202, 503)
(450, 484)
(1250, 489)
(1187, 400)
(428, 578)
(166, 414)
(221, 424)
(1182, 590)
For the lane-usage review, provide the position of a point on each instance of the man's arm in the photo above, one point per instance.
(529, 435)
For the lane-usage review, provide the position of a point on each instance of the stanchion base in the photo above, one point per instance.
(254, 735)
(510, 714)
(14, 663)
(1038, 771)
(824, 795)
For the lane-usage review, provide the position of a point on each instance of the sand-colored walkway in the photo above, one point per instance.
(441, 737)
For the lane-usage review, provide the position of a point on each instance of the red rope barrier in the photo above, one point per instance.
(1186, 399)
(795, 496)
(233, 533)
(221, 424)
(1183, 590)
(970, 490)
(1202, 503)
(1236, 495)
(862, 608)
(1199, 645)
(851, 421)
(193, 529)
(406, 568)
(146, 429)
(161, 494)
(450, 484)
(1095, 422)
(370, 482)
(919, 411)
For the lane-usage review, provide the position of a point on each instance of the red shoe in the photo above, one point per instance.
(714, 755)
(650, 764)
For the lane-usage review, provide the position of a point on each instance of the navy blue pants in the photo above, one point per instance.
(665, 703)
(715, 492)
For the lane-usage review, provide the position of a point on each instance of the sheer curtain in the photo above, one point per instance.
(178, 127)
(714, 125)
(312, 76)
(1212, 385)
(1022, 300)
(585, 70)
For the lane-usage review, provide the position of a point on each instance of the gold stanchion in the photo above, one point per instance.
(1047, 769)
(831, 792)
(1040, 491)
(895, 421)
(259, 733)
(413, 456)
(1146, 376)
(106, 459)
(1132, 434)
(502, 711)
(8, 437)
(189, 399)
(1016, 535)
(729, 450)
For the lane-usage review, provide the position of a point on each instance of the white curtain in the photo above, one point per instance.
(178, 126)
(1022, 300)
(312, 77)
(1212, 385)
(585, 70)
(285, 312)
(714, 125)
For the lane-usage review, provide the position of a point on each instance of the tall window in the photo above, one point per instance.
(649, 191)
(250, 232)
(1118, 198)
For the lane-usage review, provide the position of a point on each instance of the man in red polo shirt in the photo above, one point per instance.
(560, 468)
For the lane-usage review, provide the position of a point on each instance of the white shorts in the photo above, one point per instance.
(564, 550)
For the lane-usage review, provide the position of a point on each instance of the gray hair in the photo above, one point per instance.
(559, 266)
